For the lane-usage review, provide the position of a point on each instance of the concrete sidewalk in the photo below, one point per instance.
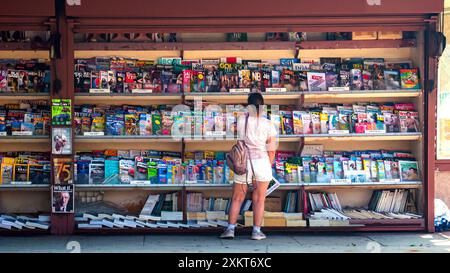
(351, 243)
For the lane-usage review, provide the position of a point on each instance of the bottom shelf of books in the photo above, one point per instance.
(358, 190)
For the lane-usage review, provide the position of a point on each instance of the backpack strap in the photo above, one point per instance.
(248, 153)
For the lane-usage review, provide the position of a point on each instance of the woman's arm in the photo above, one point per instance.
(271, 151)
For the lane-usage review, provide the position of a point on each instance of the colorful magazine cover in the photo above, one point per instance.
(409, 121)
(62, 198)
(391, 122)
(61, 112)
(332, 80)
(392, 79)
(409, 170)
(409, 78)
(317, 81)
(62, 141)
(63, 170)
(356, 79)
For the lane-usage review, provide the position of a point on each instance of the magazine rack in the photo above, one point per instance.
(418, 16)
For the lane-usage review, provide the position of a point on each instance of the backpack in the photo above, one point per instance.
(238, 155)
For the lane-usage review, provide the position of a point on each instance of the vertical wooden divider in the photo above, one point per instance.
(430, 95)
(63, 67)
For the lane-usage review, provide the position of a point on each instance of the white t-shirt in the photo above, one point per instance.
(259, 130)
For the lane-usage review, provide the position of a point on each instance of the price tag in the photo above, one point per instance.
(389, 180)
(99, 91)
(275, 90)
(142, 91)
(94, 133)
(23, 133)
(240, 90)
(375, 132)
(337, 89)
(337, 181)
(338, 132)
(2, 133)
(139, 182)
(20, 182)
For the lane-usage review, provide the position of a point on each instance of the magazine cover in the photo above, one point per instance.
(298, 125)
(409, 170)
(7, 170)
(344, 79)
(392, 123)
(392, 79)
(356, 79)
(409, 78)
(61, 112)
(287, 123)
(62, 141)
(409, 121)
(379, 82)
(40, 173)
(131, 127)
(367, 80)
(21, 173)
(332, 80)
(62, 170)
(317, 81)
(62, 198)
(244, 78)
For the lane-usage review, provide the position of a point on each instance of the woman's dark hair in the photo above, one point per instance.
(255, 99)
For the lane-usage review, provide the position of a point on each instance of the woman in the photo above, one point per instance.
(260, 140)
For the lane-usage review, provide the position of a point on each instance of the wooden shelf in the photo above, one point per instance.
(291, 98)
(22, 46)
(8, 96)
(321, 137)
(370, 222)
(24, 232)
(362, 94)
(114, 187)
(125, 139)
(262, 45)
(24, 139)
(365, 137)
(357, 44)
(133, 99)
(32, 187)
(388, 225)
(186, 46)
(364, 185)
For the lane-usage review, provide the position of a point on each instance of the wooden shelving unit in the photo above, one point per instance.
(92, 17)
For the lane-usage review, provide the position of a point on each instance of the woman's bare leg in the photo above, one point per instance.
(259, 197)
(239, 192)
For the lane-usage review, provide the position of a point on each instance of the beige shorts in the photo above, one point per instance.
(262, 168)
